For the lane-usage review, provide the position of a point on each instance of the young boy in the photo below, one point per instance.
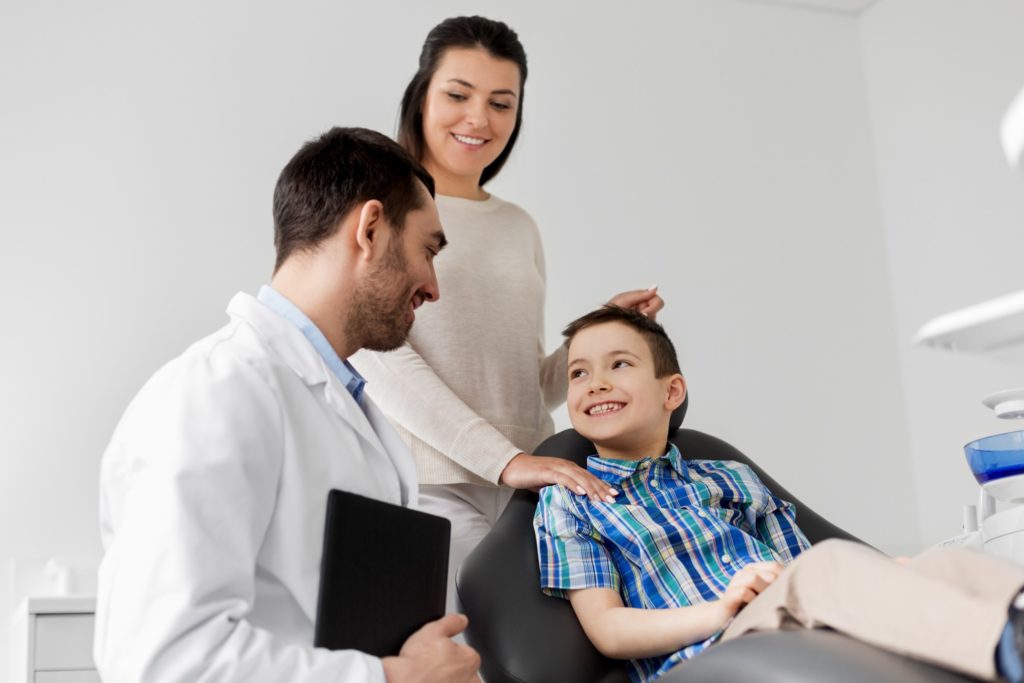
(693, 551)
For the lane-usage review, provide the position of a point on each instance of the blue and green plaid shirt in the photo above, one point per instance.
(675, 535)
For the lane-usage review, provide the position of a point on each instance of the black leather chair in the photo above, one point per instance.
(524, 636)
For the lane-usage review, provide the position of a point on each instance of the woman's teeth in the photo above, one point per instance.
(468, 140)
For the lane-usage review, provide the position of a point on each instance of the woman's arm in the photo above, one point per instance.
(423, 404)
(554, 375)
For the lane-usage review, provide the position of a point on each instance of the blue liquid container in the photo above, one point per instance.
(996, 456)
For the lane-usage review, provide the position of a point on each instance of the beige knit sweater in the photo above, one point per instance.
(473, 386)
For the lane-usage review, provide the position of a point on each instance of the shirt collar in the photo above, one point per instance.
(342, 369)
(614, 471)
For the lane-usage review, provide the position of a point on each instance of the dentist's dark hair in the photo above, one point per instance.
(497, 39)
(666, 362)
(333, 174)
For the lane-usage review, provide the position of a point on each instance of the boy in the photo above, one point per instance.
(692, 552)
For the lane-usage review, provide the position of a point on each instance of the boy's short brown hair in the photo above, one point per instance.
(665, 360)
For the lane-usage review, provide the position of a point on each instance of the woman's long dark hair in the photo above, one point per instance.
(497, 39)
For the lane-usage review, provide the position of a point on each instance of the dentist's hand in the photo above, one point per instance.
(430, 655)
(646, 301)
(527, 471)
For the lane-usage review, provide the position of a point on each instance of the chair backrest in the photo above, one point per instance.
(524, 636)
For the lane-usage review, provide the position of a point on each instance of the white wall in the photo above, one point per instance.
(726, 156)
(940, 74)
(718, 148)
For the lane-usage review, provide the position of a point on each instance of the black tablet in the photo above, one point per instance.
(383, 575)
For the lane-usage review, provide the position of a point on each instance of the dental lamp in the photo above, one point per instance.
(995, 329)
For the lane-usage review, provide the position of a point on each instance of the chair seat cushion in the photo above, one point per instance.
(800, 656)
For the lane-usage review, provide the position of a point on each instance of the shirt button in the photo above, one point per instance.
(727, 558)
(654, 483)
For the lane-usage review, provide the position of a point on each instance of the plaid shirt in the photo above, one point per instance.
(676, 534)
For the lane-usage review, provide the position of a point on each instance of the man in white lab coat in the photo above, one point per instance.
(214, 485)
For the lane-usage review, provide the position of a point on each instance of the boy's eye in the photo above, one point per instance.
(620, 364)
(573, 374)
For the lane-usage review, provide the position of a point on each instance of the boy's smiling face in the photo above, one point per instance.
(614, 399)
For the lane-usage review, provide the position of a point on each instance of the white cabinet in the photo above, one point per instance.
(54, 640)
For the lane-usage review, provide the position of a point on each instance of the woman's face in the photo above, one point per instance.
(469, 113)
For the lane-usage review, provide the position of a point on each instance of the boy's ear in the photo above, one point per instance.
(370, 228)
(675, 392)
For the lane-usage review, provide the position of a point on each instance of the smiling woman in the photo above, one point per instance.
(472, 389)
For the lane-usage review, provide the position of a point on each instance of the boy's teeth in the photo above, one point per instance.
(603, 408)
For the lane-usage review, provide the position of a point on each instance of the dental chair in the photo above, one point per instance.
(524, 636)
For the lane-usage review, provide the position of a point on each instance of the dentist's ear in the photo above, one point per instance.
(369, 227)
(675, 392)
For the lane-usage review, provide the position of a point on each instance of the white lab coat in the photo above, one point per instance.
(212, 501)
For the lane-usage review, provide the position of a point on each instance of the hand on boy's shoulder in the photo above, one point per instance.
(528, 471)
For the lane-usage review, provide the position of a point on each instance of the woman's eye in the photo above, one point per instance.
(501, 106)
(457, 96)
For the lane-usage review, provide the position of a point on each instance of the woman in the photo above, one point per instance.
(471, 392)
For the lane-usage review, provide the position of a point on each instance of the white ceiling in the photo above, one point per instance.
(843, 6)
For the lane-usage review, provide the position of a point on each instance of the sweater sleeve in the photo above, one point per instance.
(554, 380)
(422, 403)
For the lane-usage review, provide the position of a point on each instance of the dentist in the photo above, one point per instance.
(213, 488)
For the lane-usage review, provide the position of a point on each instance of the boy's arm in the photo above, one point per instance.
(621, 632)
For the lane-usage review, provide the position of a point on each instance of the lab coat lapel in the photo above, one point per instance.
(294, 349)
(395, 449)
(373, 427)
(346, 407)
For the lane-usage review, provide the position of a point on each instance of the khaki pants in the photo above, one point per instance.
(947, 606)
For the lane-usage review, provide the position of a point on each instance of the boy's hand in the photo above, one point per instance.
(527, 471)
(746, 584)
(431, 656)
(646, 301)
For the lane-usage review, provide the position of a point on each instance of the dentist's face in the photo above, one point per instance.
(385, 301)
(469, 112)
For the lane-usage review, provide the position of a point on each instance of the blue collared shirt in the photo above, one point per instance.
(676, 534)
(342, 369)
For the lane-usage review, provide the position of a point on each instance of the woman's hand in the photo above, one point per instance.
(526, 471)
(746, 585)
(646, 301)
